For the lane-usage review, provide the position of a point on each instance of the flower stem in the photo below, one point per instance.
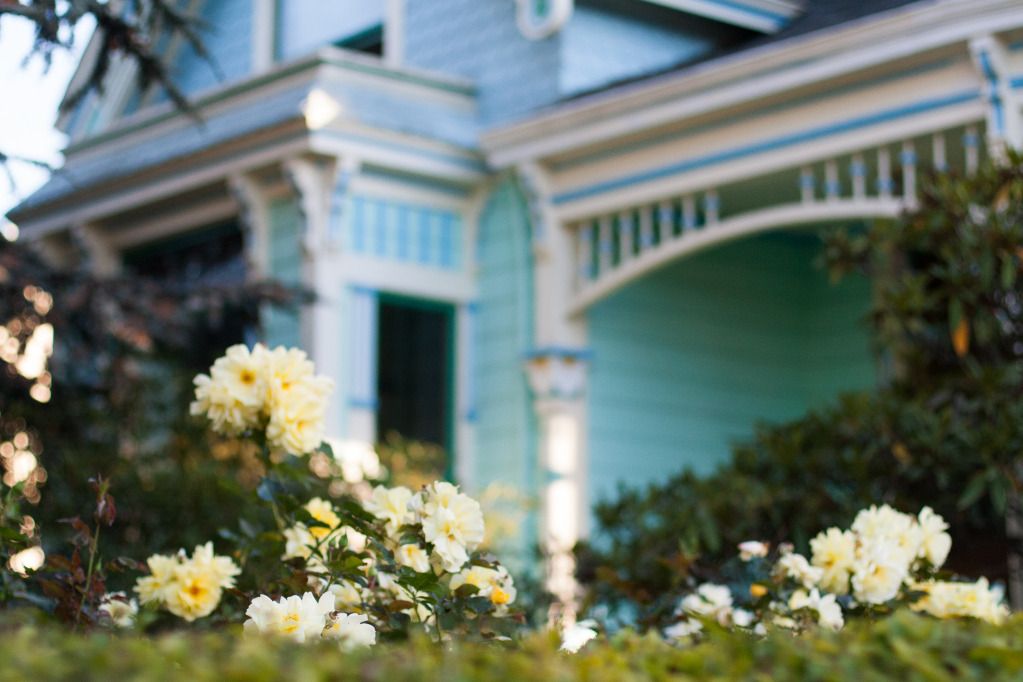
(93, 548)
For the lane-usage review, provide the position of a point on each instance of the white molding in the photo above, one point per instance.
(734, 13)
(766, 162)
(1004, 119)
(752, 75)
(407, 279)
(535, 27)
(183, 180)
(553, 268)
(254, 204)
(384, 149)
(776, 217)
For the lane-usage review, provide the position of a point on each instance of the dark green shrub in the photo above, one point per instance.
(905, 647)
(945, 428)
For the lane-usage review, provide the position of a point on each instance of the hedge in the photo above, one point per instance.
(903, 647)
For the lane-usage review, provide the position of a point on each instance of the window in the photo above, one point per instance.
(305, 25)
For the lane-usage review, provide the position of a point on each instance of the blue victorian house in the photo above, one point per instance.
(569, 240)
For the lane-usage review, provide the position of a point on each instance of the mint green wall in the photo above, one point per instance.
(505, 429)
(281, 325)
(689, 358)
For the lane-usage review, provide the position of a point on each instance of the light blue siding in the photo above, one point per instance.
(614, 39)
(505, 431)
(229, 42)
(605, 40)
(304, 25)
(403, 232)
(688, 359)
(479, 40)
(281, 325)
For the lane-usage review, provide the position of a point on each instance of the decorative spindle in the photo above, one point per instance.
(832, 188)
(605, 246)
(884, 173)
(646, 228)
(908, 172)
(711, 206)
(806, 184)
(625, 233)
(938, 151)
(971, 141)
(688, 213)
(858, 171)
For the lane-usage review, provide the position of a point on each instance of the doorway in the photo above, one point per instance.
(415, 386)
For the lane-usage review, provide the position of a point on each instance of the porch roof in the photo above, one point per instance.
(374, 104)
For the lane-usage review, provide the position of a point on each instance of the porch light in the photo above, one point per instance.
(319, 109)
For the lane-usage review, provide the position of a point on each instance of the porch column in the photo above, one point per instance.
(1004, 118)
(557, 378)
(320, 186)
(557, 370)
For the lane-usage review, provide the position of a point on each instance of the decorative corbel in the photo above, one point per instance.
(253, 213)
(311, 182)
(1004, 119)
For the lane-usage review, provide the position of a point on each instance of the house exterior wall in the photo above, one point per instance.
(610, 40)
(688, 359)
(504, 422)
(304, 25)
(479, 40)
(228, 41)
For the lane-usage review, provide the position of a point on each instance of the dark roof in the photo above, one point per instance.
(818, 15)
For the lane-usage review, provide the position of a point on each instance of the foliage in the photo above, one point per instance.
(905, 647)
(944, 429)
(387, 561)
(132, 30)
(107, 401)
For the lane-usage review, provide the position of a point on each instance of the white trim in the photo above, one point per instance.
(776, 217)
(355, 140)
(125, 200)
(253, 201)
(750, 76)
(732, 13)
(408, 279)
(761, 164)
(534, 27)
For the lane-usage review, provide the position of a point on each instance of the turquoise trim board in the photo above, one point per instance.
(782, 142)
